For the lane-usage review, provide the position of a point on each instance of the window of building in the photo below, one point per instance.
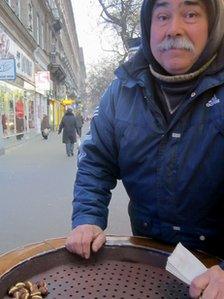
(42, 36)
(47, 37)
(30, 16)
(38, 30)
(15, 5)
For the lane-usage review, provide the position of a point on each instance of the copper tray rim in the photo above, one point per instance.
(111, 241)
(109, 244)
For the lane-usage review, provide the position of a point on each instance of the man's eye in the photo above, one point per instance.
(162, 17)
(191, 15)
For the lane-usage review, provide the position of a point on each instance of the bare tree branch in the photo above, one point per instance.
(110, 16)
(122, 16)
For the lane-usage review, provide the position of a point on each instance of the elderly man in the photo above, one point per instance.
(160, 128)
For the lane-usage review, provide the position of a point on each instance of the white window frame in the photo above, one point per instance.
(42, 35)
(17, 13)
(30, 16)
(38, 29)
(19, 9)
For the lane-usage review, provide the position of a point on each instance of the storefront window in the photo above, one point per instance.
(51, 114)
(10, 119)
(20, 115)
(17, 108)
(31, 122)
(8, 108)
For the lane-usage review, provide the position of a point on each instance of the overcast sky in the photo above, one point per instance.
(87, 14)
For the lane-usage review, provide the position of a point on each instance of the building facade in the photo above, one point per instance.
(41, 66)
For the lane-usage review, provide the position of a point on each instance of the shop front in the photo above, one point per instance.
(43, 90)
(17, 106)
(17, 95)
(56, 112)
(57, 109)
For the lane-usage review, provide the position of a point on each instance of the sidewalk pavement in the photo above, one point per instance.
(36, 185)
(36, 182)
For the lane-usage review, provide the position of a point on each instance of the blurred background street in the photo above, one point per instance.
(36, 184)
(54, 55)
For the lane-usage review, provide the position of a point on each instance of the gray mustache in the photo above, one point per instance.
(176, 43)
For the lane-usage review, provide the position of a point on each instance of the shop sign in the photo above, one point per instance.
(7, 69)
(28, 86)
(67, 102)
(42, 81)
(9, 49)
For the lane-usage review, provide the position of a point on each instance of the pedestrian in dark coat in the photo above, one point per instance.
(69, 126)
(45, 127)
(79, 120)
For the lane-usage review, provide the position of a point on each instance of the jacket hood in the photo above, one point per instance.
(215, 44)
(133, 68)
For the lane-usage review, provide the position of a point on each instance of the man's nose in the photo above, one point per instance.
(175, 27)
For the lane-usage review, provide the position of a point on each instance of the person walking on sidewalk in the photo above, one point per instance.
(45, 127)
(80, 122)
(69, 126)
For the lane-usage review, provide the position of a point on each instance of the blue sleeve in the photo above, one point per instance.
(97, 167)
(221, 265)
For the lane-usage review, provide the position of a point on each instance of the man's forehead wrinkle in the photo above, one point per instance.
(192, 2)
(162, 3)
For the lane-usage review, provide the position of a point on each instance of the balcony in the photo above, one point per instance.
(52, 6)
(57, 72)
(57, 25)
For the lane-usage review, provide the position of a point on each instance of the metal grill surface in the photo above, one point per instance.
(114, 273)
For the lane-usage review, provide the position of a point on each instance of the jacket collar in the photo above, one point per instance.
(136, 72)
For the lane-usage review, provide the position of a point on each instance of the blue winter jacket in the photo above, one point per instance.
(173, 174)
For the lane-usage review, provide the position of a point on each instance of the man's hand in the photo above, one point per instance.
(209, 285)
(83, 237)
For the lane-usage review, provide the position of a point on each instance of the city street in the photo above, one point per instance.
(36, 184)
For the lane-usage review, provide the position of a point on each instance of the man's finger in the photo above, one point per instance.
(198, 285)
(98, 242)
(80, 239)
(210, 293)
(73, 243)
(87, 238)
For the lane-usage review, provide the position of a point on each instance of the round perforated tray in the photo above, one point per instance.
(114, 272)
